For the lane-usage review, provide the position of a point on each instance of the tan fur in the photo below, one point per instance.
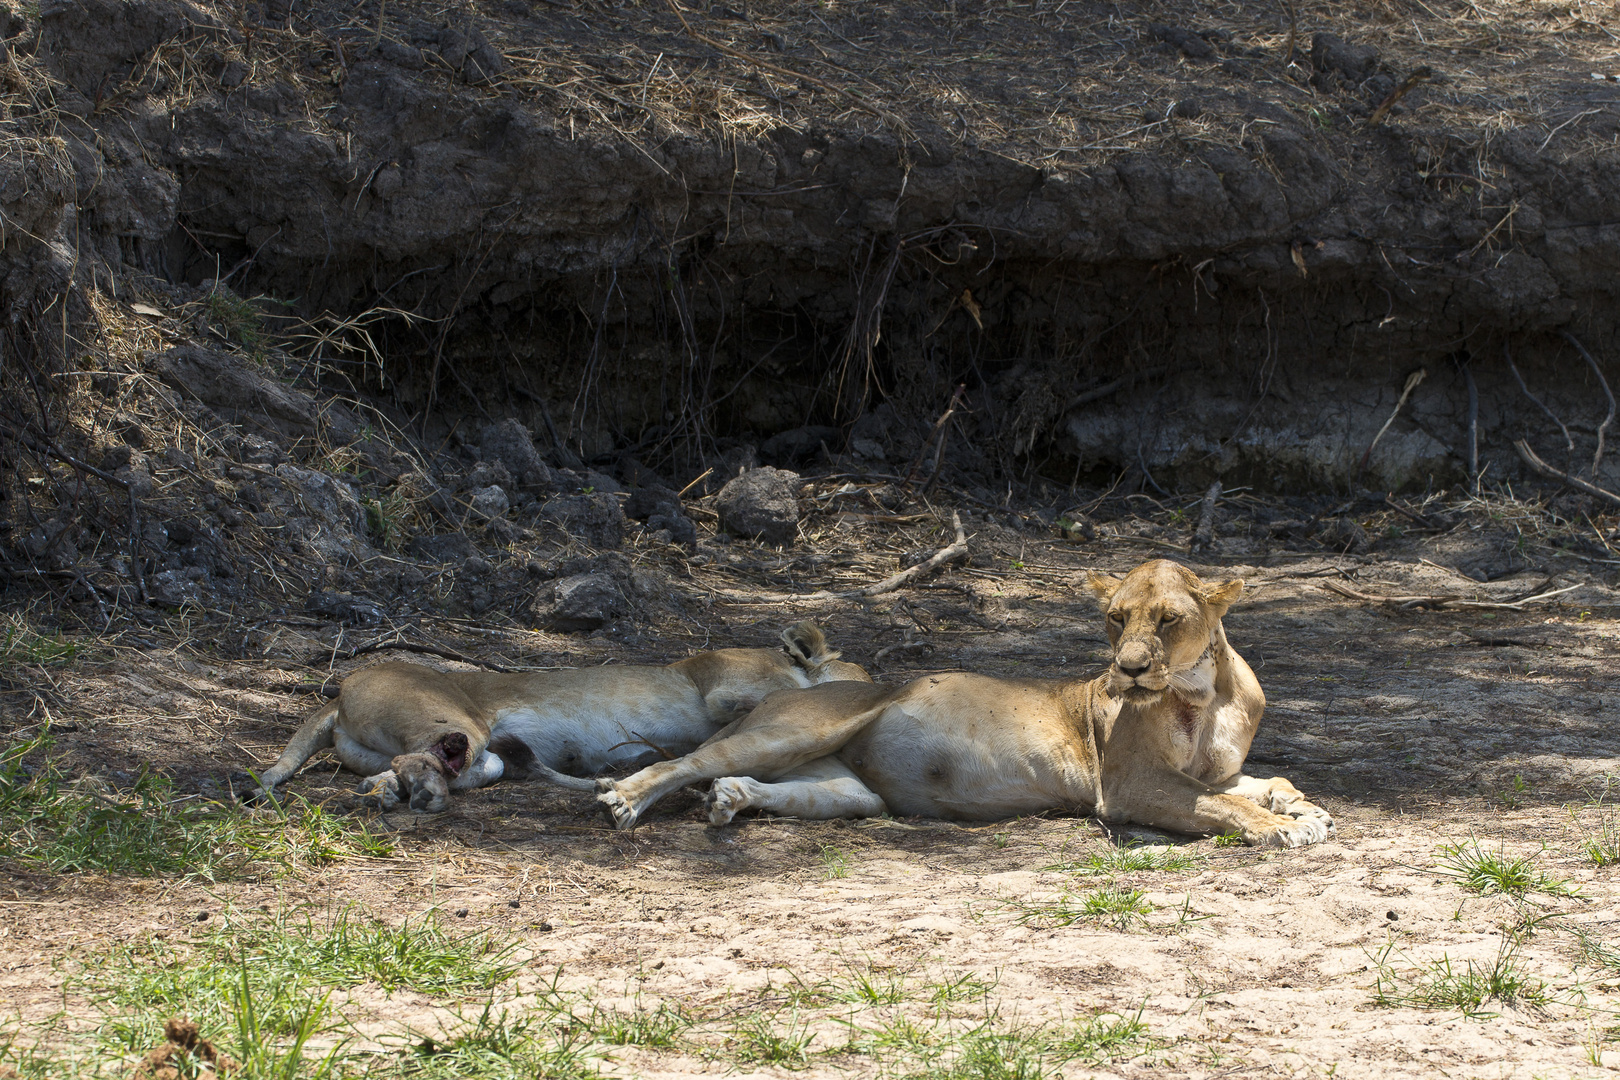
(1158, 740)
(417, 733)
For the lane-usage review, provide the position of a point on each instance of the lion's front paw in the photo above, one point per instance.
(1295, 830)
(618, 811)
(384, 789)
(727, 797)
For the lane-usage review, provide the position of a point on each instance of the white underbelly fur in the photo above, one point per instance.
(583, 729)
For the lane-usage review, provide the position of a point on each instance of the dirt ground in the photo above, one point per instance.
(1417, 728)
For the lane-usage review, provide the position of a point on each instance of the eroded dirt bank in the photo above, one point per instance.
(663, 226)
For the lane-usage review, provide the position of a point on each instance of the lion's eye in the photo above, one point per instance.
(1167, 618)
(1116, 617)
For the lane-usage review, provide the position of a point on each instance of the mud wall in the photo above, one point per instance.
(1263, 300)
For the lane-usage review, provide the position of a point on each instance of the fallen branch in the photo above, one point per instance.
(1551, 473)
(1389, 501)
(939, 558)
(1447, 601)
(407, 646)
(1597, 458)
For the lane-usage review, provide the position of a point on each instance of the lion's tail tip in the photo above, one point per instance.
(807, 645)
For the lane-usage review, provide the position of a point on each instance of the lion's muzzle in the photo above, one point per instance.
(1136, 673)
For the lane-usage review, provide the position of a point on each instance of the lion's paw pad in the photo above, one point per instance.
(726, 799)
(618, 811)
(383, 788)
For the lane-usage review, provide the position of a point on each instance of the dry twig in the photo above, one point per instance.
(956, 550)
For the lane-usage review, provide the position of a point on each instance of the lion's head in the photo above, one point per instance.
(1162, 620)
(424, 778)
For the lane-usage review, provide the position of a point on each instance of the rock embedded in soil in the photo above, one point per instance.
(512, 444)
(597, 518)
(450, 547)
(581, 602)
(660, 508)
(346, 608)
(761, 504)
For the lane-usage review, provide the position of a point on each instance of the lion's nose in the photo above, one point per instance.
(1133, 660)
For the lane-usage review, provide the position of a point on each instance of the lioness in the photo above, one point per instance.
(417, 734)
(1158, 740)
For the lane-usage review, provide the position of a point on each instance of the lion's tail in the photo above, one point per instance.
(807, 645)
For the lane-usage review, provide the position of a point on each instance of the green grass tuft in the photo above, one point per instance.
(834, 862)
(1494, 872)
(495, 1047)
(1601, 844)
(1111, 905)
(1467, 986)
(757, 1039)
(145, 982)
(661, 1027)
(55, 822)
(1131, 858)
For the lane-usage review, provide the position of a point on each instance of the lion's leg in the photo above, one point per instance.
(481, 773)
(357, 757)
(818, 791)
(1276, 794)
(1175, 801)
(313, 735)
(788, 729)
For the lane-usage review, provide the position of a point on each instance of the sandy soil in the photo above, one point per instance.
(1416, 729)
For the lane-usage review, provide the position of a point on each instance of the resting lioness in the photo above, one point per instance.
(417, 734)
(1158, 740)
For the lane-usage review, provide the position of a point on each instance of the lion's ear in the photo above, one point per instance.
(1102, 586)
(1222, 595)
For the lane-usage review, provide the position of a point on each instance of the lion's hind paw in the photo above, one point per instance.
(383, 788)
(727, 797)
(618, 811)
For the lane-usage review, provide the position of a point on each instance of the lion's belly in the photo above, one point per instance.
(969, 747)
(589, 720)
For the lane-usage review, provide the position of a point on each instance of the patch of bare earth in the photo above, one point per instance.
(1417, 728)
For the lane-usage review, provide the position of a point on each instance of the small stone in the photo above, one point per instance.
(202, 916)
(545, 925)
(490, 502)
(1391, 915)
(514, 903)
(461, 913)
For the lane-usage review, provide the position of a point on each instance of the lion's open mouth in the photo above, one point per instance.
(452, 751)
